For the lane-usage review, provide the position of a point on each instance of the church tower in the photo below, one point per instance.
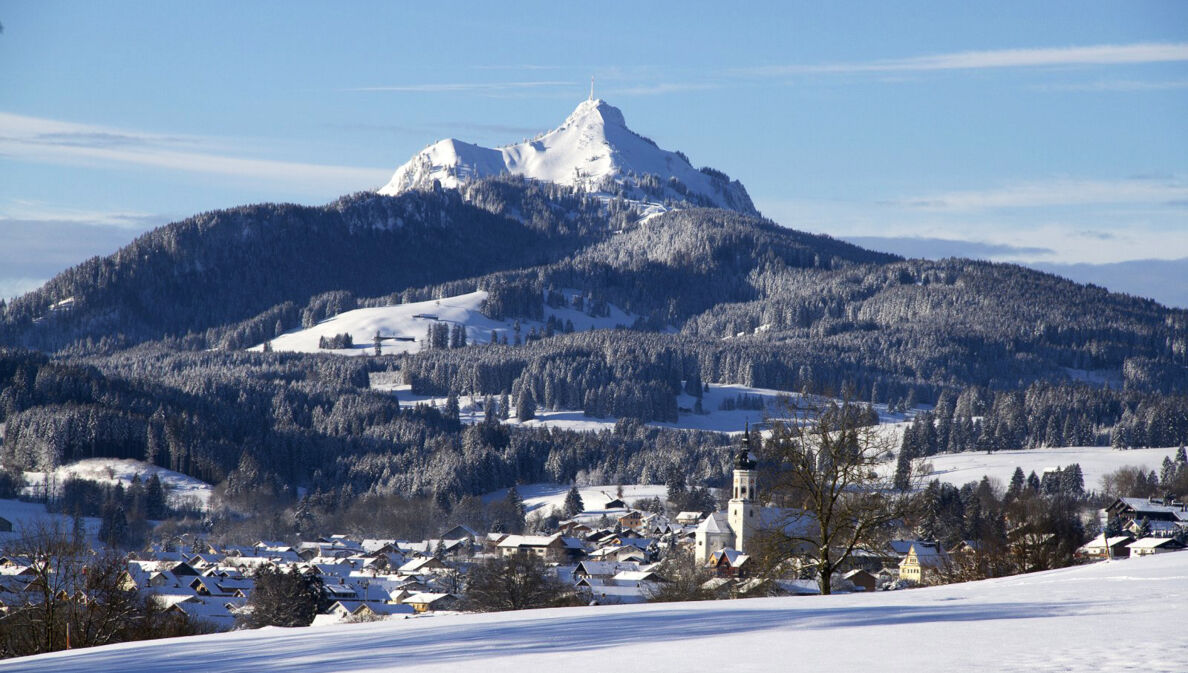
(741, 510)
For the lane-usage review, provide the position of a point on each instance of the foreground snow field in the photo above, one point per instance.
(1119, 615)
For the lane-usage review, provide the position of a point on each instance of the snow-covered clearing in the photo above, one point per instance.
(411, 322)
(1095, 461)
(713, 417)
(183, 491)
(1117, 615)
(547, 496)
(29, 515)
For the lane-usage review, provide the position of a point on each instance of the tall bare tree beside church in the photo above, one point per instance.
(828, 468)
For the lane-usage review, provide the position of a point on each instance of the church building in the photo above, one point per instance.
(744, 518)
(736, 526)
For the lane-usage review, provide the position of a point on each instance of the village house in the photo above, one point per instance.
(923, 562)
(552, 548)
(1149, 546)
(731, 563)
(861, 580)
(1102, 548)
(1152, 509)
(432, 602)
(632, 520)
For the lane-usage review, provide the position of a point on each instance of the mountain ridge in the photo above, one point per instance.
(594, 150)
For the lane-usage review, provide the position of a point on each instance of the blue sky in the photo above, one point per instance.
(1042, 132)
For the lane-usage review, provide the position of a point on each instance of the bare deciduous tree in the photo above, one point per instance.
(828, 470)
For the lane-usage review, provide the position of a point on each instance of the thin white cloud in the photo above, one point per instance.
(1102, 54)
(29, 211)
(464, 86)
(50, 141)
(1049, 193)
(1083, 230)
(1115, 85)
(660, 89)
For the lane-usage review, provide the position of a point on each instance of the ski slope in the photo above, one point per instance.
(1095, 461)
(593, 145)
(1116, 615)
(411, 322)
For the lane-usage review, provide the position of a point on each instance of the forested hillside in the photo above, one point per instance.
(142, 353)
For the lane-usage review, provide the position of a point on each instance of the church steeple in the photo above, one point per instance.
(740, 512)
(743, 460)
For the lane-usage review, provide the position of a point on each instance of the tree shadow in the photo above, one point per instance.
(423, 642)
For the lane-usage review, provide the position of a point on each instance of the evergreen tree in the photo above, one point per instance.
(1015, 489)
(573, 503)
(516, 503)
(113, 529)
(526, 407)
(903, 471)
(490, 410)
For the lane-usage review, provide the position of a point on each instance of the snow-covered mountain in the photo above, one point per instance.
(593, 149)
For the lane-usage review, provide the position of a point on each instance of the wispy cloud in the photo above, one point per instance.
(660, 88)
(28, 212)
(939, 248)
(1115, 85)
(465, 86)
(51, 141)
(40, 240)
(446, 127)
(1103, 54)
(1053, 193)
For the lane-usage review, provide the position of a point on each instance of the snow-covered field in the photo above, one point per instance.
(1111, 616)
(183, 490)
(1095, 461)
(28, 515)
(547, 496)
(412, 321)
(713, 418)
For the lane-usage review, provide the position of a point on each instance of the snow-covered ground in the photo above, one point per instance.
(1111, 616)
(182, 490)
(412, 321)
(547, 496)
(1095, 461)
(29, 515)
(714, 418)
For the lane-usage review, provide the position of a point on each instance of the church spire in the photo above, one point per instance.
(743, 460)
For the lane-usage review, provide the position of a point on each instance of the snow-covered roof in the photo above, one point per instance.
(1144, 506)
(929, 553)
(1153, 543)
(716, 523)
(1100, 543)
